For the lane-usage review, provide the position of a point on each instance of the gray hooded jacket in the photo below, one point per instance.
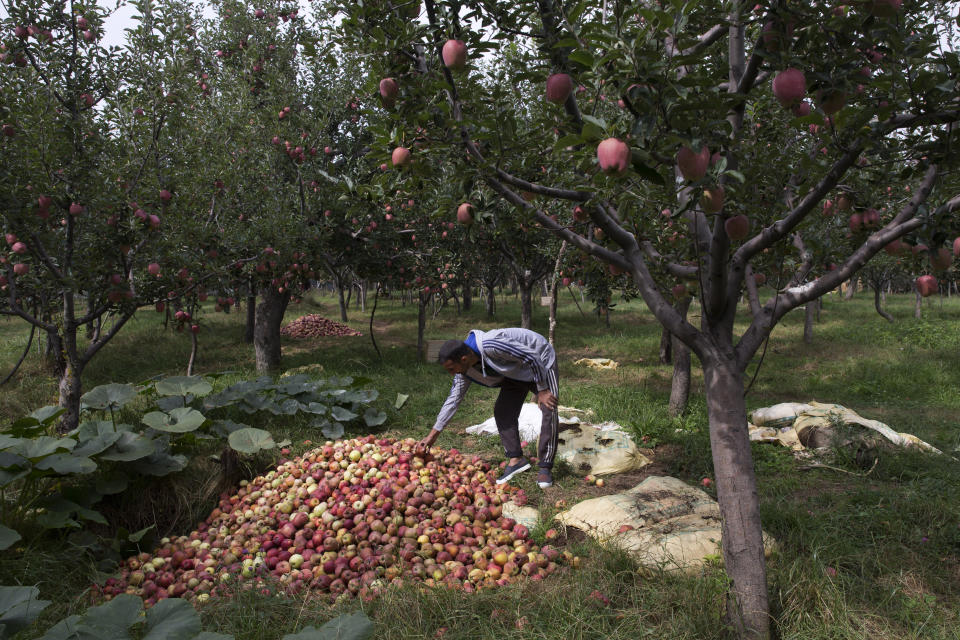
(518, 354)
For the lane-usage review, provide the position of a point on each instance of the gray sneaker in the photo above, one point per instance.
(544, 478)
(511, 470)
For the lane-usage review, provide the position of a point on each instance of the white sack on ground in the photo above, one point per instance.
(593, 449)
(530, 419)
(814, 426)
(664, 522)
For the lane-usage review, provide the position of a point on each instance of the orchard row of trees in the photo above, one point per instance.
(678, 149)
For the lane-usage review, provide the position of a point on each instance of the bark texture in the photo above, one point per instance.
(266, 330)
(878, 304)
(680, 383)
(736, 482)
(526, 305)
(808, 316)
(251, 318)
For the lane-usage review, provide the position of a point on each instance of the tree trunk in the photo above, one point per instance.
(666, 346)
(422, 300)
(251, 318)
(680, 384)
(918, 307)
(526, 304)
(70, 390)
(808, 315)
(491, 301)
(266, 330)
(194, 343)
(851, 289)
(819, 302)
(362, 295)
(553, 292)
(752, 294)
(342, 302)
(736, 482)
(878, 303)
(467, 297)
(53, 354)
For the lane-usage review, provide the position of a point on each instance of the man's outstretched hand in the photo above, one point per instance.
(424, 445)
(546, 400)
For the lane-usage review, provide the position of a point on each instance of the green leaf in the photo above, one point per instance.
(13, 461)
(569, 140)
(25, 427)
(98, 444)
(315, 408)
(161, 464)
(401, 400)
(172, 619)
(7, 537)
(226, 427)
(737, 176)
(342, 414)
(581, 57)
(109, 621)
(46, 415)
(56, 520)
(332, 431)
(19, 607)
(173, 402)
(591, 132)
(67, 463)
(374, 417)
(108, 396)
(137, 536)
(112, 483)
(183, 386)
(182, 420)
(36, 448)
(131, 446)
(250, 440)
(349, 626)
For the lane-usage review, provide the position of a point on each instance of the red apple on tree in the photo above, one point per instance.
(454, 54)
(400, 157)
(613, 156)
(956, 247)
(789, 87)
(737, 227)
(388, 91)
(559, 87)
(693, 165)
(76, 209)
(465, 214)
(926, 285)
(21, 268)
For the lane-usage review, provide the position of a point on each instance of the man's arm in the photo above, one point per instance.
(457, 391)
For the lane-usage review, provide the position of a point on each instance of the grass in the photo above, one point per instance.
(875, 555)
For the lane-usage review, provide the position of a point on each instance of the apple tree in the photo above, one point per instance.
(675, 101)
(84, 205)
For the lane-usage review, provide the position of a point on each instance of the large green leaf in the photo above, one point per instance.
(130, 446)
(7, 537)
(184, 385)
(374, 417)
(36, 448)
(46, 415)
(316, 408)
(250, 440)
(13, 461)
(112, 483)
(332, 431)
(226, 427)
(19, 607)
(109, 621)
(97, 444)
(401, 400)
(349, 626)
(67, 463)
(172, 619)
(108, 396)
(161, 464)
(182, 420)
(342, 414)
(93, 428)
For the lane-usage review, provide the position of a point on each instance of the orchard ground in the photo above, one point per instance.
(860, 554)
